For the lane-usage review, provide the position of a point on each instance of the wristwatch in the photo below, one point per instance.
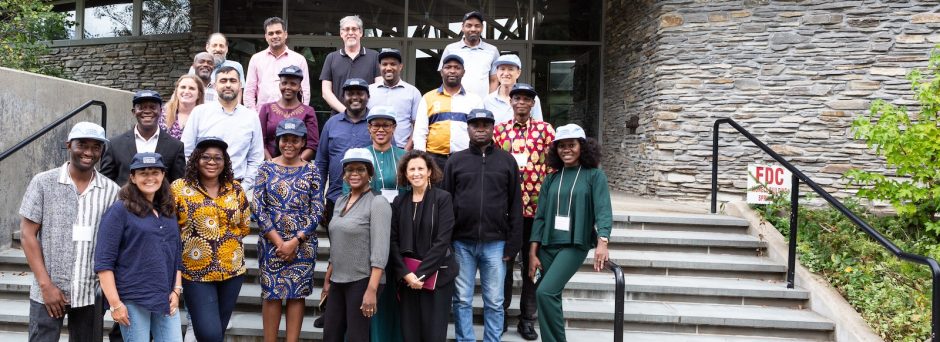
(605, 240)
(180, 288)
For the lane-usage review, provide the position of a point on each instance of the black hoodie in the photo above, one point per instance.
(487, 196)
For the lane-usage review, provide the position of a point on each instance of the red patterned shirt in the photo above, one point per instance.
(530, 142)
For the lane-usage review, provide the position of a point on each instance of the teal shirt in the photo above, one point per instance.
(590, 208)
(386, 167)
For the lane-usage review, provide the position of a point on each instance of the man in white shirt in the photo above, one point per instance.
(236, 124)
(479, 78)
(395, 92)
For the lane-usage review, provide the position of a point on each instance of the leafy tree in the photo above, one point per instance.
(911, 147)
(24, 27)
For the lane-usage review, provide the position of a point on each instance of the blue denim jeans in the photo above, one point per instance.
(488, 258)
(210, 305)
(163, 327)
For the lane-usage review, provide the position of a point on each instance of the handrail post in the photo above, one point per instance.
(794, 229)
(935, 300)
(619, 295)
(715, 167)
(104, 114)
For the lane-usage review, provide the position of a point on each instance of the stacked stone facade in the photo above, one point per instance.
(147, 62)
(794, 73)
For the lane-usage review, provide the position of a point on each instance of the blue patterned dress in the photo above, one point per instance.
(287, 200)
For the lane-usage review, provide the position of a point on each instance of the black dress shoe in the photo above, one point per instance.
(318, 323)
(527, 330)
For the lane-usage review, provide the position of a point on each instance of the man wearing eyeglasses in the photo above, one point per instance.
(352, 61)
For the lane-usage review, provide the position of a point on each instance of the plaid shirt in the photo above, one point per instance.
(533, 139)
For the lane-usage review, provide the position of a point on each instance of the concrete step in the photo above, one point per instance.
(680, 222)
(693, 264)
(686, 241)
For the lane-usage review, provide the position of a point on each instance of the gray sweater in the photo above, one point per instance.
(359, 240)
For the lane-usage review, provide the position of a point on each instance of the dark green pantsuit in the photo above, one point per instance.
(559, 264)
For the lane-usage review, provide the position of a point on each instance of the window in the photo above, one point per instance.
(247, 16)
(108, 19)
(165, 17)
(123, 18)
(505, 19)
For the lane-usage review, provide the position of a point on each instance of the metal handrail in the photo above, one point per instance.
(618, 297)
(56, 123)
(794, 216)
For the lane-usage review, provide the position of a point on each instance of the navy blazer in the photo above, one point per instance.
(120, 151)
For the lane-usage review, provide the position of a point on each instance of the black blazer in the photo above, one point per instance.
(419, 239)
(120, 151)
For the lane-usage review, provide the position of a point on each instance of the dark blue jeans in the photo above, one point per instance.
(210, 306)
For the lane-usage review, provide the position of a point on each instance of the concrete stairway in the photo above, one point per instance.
(688, 278)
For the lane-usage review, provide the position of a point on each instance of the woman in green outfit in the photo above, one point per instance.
(575, 199)
(386, 325)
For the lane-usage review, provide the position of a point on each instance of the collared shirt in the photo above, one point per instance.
(263, 83)
(144, 254)
(532, 140)
(212, 230)
(339, 135)
(477, 63)
(441, 122)
(405, 99)
(210, 95)
(241, 130)
(53, 201)
(339, 67)
(502, 110)
(146, 145)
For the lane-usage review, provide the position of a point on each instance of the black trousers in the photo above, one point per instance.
(528, 311)
(424, 314)
(441, 161)
(343, 316)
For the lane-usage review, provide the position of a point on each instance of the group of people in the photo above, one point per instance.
(416, 193)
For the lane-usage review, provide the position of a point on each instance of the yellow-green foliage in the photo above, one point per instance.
(24, 27)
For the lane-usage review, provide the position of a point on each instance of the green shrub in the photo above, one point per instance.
(911, 148)
(892, 295)
(25, 26)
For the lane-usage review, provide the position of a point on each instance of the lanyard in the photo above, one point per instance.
(570, 194)
(381, 173)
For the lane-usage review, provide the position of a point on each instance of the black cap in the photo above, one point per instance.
(205, 142)
(452, 57)
(523, 88)
(480, 114)
(293, 126)
(291, 71)
(356, 83)
(147, 95)
(473, 14)
(147, 159)
(390, 53)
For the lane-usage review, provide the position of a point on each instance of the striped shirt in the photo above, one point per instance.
(52, 200)
(441, 121)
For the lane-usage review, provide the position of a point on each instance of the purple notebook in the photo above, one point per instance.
(429, 282)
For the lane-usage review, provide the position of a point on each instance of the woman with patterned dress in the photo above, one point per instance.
(289, 106)
(188, 93)
(288, 204)
(213, 213)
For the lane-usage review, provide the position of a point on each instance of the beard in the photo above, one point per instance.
(218, 60)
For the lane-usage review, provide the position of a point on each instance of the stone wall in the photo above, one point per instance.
(795, 73)
(133, 63)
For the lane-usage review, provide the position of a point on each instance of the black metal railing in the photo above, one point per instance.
(618, 297)
(799, 176)
(56, 123)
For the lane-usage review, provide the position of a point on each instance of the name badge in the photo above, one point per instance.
(521, 159)
(82, 233)
(389, 194)
(562, 223)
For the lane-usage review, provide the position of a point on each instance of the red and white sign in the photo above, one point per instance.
(765, 180)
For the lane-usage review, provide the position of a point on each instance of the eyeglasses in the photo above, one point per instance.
(350, 29)
(376, 127)
(207, 158)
